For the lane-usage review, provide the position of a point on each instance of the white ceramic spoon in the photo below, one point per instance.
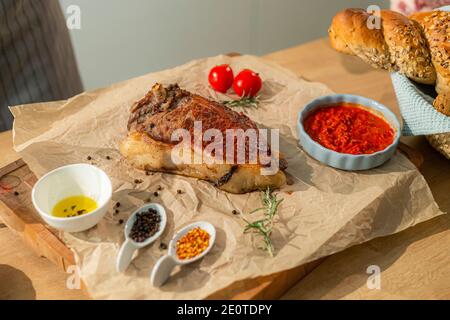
(163, 268)
(130, 246)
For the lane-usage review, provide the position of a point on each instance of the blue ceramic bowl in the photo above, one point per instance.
(341, 160)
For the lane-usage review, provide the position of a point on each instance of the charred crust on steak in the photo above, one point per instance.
(158, 99)
(163, 110)
(223, 180)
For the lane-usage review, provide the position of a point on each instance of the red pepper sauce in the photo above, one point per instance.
(349, 128)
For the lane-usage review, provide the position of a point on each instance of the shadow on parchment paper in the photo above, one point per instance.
(298, 173)
(375, 216)
(15, 285)
(379, 252)
(270, 89)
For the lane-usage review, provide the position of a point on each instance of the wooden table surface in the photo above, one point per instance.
(415, 264)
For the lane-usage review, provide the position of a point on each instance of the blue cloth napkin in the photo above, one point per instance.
(416, 107)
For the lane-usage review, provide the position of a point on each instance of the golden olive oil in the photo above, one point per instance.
(74, 207)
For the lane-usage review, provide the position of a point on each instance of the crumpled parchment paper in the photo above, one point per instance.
(324, 211)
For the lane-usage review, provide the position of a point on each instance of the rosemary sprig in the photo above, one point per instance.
(264, 226)
(252, 102)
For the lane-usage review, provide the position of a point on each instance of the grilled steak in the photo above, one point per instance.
(157, 117)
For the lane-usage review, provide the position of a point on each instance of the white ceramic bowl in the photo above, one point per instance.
(73, 180)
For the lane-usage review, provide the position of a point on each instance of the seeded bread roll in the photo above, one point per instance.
(442, 103)
(398, 45)
(349, 33)
(436, 27)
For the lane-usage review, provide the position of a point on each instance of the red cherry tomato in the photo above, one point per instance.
(247, 83)
(221, 78)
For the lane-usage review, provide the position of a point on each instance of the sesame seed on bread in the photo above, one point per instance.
(442, 103)
(436, 26)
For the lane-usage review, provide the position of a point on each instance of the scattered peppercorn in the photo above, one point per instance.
(147, 173)
(179, 191)
(159, 188)
(121, 221)
(145, 225)
(137, 181)
(89, 158)
(16, 193)
(163, 246)
(235, 212)
(118, 205)
(116, 212)
(156, 194)
(108, 158)
(192, 244)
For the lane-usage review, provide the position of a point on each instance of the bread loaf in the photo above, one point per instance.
(436, 26)
(398, 45)
(442, 103)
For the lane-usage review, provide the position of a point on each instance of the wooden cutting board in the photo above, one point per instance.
(18, 213)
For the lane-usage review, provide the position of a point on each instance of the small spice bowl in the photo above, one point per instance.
(72, 180)
(163, 268)
(128, 248)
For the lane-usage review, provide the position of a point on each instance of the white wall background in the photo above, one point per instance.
(120, 39)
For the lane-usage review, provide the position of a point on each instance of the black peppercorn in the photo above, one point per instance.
(89, 158)
(108, 158)
(156, 194)
(16, 193)
(163, 246)
(121, 221)
(117, 204)
(145, 225)
(235, 212)
(179, 191)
